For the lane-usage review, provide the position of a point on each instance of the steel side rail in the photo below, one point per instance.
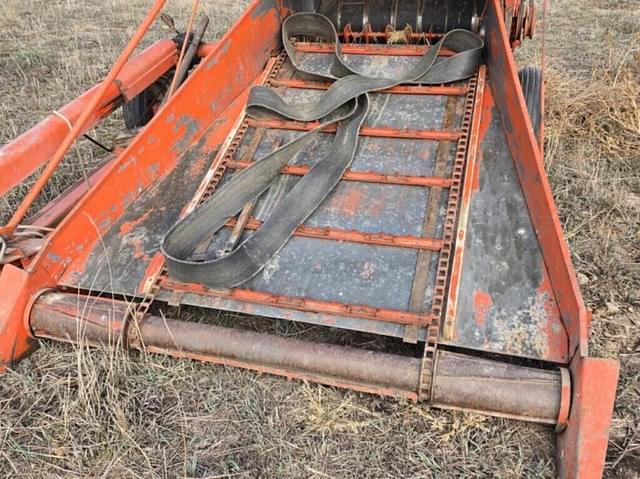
(20, 285)
(33, 148)
(22, 156)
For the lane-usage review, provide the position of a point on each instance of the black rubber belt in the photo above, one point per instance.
(346, 102)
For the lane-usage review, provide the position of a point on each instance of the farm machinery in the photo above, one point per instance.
(370, 168)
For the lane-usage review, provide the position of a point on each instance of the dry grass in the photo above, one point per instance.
(50, 52)
(593, 160)
(74, 412)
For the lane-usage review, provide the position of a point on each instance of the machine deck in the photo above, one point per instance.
(443, 232)
(376, 255)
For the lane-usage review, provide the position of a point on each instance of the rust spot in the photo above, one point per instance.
(197, 167)
(129, 226)
(485, 123)
(557, 339)
(349, 202)
(138, 249)
(482, 304)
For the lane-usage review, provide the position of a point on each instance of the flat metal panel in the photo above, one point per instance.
(118, 262)
(377, 155)
(367, 65)
(417, 112)
(365, 207)
(348, 273)
(505, 302)
(378, 276)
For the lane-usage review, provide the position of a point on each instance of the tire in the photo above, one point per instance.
(140, 109)
(531, 83)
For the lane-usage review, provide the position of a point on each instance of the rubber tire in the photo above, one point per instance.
(139, 110)
(531, 83)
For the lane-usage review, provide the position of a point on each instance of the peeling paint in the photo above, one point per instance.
(502, 306)
(128, 226)
(481, 306)
(185, 128)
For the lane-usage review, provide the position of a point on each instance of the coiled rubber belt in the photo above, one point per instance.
(346, 103)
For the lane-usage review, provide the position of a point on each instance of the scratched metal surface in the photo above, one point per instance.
(117, 264)
(505, 302)
(350, 273)
(383, 328)
(417, 112)
(377, 155)
(365, 207)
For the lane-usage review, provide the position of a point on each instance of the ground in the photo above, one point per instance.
(73, 412)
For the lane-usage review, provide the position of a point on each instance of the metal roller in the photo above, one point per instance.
(430, 16)
(460, 382)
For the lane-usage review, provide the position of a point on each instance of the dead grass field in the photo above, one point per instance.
(69, 412)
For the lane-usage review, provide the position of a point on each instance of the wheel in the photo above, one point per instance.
(140, 109)
(531, 83)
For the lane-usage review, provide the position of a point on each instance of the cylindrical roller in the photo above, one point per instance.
(54, 316)
(459, 381)
(501, 389)
(431, 16)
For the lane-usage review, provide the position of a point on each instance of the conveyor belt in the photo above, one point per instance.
(367, 259)
(344, 103)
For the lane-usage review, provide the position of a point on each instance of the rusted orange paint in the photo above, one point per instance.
(476, 135)
(533, 180)
(582, 446)
(215, 96)
(406, 50)
(486, 118)
(363, 176)
(225, 127)
(22, 156)
(205, 94)
(128, 226)
(482, 304)
(138, 250)
(75, 130)
(15, 339)
(402, 89)
(557, 339)
(400, 241)
(151, 273)
(379, 132)
(54, 211)
(348, 203)
(304, 304)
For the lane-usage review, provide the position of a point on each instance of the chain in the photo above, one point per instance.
(139, 310)
(450, 222)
